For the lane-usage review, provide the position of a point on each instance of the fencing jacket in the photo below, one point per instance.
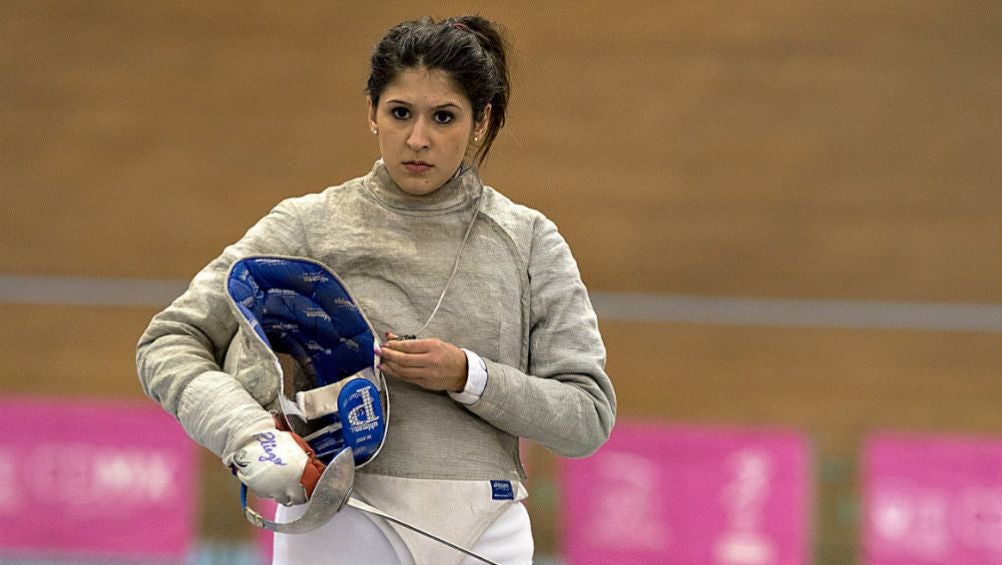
(517, 300)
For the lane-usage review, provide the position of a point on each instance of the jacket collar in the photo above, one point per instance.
(464, 187)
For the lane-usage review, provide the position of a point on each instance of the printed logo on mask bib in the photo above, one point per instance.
(362, 422)
(363, 416)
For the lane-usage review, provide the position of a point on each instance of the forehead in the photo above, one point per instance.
(422, 86)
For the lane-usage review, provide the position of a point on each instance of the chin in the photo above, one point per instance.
(419, 186)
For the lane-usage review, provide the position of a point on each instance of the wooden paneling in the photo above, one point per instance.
(814, 379)
(775, 149)
(70, 350)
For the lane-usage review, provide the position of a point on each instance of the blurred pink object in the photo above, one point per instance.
(92, 479)
(265, 539)
(932, 500)
(677, 495)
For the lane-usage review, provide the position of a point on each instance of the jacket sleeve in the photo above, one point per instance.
(566, 402)
(180, 354)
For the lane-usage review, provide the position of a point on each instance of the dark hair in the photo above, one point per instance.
(470, 49)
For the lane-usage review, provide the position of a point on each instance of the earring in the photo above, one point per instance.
(375, 131)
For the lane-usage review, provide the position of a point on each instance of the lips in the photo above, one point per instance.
(417, 166)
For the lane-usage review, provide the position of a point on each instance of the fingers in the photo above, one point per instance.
(394, 337)
(394, 362)
(412, 346)
(406, 353)
(414, 352)
(417, 375)
(429, 362)
(422, 376)
(409, 366)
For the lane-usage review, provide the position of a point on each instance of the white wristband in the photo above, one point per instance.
(476, 380)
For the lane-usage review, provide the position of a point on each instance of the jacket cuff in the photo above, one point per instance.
(476, 380)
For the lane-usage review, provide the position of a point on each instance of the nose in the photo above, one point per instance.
(418, 138)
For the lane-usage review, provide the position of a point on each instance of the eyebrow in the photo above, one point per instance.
(440, 106)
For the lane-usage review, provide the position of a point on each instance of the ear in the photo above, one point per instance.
(372, 113)
(480, 127)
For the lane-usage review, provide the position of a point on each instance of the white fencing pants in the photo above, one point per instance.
(352, 538)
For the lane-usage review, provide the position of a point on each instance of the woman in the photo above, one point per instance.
(502, 342)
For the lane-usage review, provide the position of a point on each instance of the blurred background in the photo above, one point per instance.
(788, 213)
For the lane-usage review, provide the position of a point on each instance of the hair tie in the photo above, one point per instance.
(462, 26)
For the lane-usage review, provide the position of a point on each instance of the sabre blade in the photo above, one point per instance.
(356, 503)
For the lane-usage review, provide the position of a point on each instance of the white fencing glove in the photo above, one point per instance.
(277, 464)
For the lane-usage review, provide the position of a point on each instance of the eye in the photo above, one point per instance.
(444, 117)
(400, 113)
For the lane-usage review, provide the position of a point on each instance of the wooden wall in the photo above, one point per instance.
(774, 149)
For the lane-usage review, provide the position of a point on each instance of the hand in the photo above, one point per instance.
(429, 363)
(278, 465)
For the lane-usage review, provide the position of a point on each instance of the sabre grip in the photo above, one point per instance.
(314, 466)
